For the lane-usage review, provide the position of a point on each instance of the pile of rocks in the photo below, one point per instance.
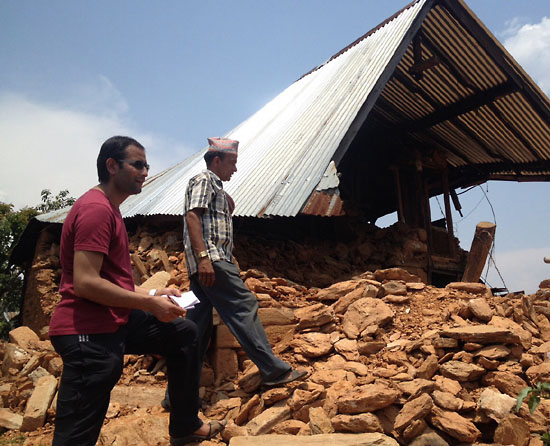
(388, 354)
(30, 368)
(390, 361)
(314, 262)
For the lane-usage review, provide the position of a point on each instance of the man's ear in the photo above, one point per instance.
(215, 162)
(112, 166)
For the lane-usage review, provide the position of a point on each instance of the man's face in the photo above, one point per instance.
(131, 173)
(227, 167)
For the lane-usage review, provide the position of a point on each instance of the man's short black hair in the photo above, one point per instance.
(114, 147)
(209, 157)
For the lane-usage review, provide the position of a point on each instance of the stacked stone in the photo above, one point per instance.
(322, 262)
(388, 355)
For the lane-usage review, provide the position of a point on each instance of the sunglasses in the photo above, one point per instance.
(139, 165)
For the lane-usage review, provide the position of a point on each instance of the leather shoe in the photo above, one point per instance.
(215, 428)
(291, 375)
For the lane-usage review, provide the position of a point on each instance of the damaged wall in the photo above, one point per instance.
(313, 252)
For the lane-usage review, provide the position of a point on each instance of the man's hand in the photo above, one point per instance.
(207, 276)
(168, 292)
(164, 309)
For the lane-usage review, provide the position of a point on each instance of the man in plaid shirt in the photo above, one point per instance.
(208, 240)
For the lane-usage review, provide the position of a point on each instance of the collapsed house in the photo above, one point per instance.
(423, 104)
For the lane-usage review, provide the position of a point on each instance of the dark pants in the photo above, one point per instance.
(238, 308)
(92, 365)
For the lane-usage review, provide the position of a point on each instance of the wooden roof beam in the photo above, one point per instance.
(498, 168)
(455, 71)
(383, 104)
(462, 79)
(464, 106)
(421, 64)
(519, 179)
(401, 77)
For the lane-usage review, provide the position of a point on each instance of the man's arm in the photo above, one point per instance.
(206, 271)
(89, 284)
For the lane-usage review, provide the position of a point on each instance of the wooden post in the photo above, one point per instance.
(428, 224)
(481, 244)
(448, 215)
(456, 202)
(423, 197)
(400, 211)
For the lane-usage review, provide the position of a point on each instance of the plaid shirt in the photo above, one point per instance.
(205, 191)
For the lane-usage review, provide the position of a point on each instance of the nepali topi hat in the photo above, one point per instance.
(223, 145)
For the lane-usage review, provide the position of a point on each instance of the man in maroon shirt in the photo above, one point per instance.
(102, 315)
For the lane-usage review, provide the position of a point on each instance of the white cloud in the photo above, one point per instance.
(102, 98)
(55, 147)
(521, 270)
(530, 46)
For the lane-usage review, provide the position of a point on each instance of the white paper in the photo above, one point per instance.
(187, 301)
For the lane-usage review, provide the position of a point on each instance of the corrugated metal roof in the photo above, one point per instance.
(432, 72)
(286, 146)
(54, 216)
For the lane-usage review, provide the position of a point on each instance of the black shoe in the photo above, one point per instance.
(215, 428)
(291, 375)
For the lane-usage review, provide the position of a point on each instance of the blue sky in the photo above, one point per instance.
(172, 73)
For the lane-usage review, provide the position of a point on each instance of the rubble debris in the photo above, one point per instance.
(440, 367)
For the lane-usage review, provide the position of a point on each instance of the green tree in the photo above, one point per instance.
(12, 224)
(50, 203)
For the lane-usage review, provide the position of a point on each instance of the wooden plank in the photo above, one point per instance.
(400, 209)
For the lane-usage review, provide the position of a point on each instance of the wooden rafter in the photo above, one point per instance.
(401, 77)
(464, 106)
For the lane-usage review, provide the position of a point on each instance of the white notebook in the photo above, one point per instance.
(187, 300)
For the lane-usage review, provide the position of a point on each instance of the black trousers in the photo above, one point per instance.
(92, 365)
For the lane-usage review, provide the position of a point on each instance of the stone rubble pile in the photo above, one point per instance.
(313, 262)
(390, 361)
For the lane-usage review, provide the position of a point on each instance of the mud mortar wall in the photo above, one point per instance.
(309, 252)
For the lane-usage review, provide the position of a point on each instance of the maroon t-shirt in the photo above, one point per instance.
(93, 224)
